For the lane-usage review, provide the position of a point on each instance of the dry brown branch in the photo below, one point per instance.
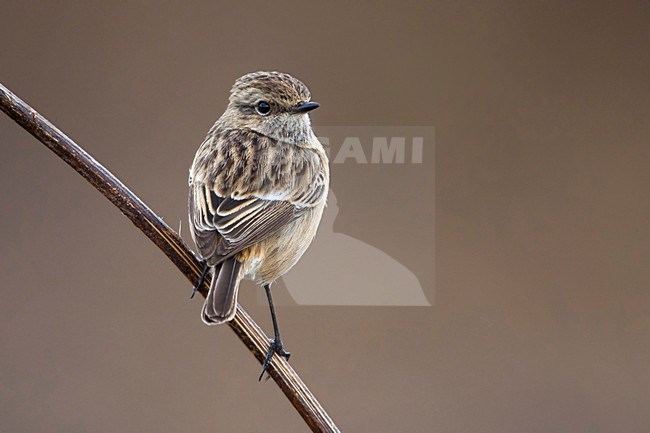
(171, 244)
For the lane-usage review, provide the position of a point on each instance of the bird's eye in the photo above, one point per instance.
(263, 108)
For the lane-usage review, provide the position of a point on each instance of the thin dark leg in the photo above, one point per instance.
(276, 330)
(276, 343)
(201, 279)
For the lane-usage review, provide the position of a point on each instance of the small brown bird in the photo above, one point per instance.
(258, 186)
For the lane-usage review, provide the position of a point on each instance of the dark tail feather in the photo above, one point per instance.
(221, 304)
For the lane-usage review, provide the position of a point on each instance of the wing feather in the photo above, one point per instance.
(229, 211)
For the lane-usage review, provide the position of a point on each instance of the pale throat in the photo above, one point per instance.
(294, 130)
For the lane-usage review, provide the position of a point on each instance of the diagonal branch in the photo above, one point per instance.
(170, 244)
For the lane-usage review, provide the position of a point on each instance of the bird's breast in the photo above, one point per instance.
(273, 257)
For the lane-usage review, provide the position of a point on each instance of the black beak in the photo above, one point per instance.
(305, 107)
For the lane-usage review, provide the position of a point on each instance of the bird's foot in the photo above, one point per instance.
(206, 268)
(275, 347)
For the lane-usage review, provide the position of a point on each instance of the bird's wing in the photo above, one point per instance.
(224, 226)
(226, 222)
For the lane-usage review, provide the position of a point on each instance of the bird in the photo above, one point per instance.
(258, 185)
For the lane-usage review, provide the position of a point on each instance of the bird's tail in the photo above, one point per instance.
(221, 304)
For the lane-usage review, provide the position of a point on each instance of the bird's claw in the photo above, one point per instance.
(206, 268)
(277, 348)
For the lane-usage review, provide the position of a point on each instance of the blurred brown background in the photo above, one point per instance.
(540, 318)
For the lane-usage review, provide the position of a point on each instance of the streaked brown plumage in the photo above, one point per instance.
(258, 186)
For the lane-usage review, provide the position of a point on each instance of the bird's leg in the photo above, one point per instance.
(201, 279)
(275, 344)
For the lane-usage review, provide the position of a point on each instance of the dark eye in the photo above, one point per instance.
(263, 108)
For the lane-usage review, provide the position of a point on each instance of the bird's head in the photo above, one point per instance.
(273, 104)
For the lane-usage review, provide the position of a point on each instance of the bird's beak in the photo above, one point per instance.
(305, 107)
